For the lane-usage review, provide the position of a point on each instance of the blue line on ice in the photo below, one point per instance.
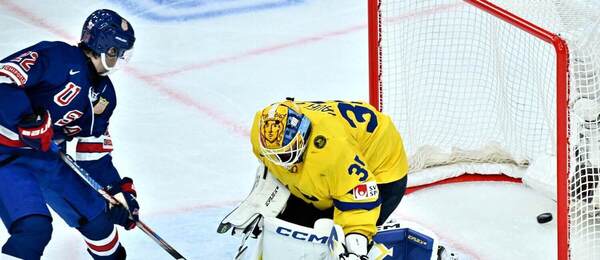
(177, 10)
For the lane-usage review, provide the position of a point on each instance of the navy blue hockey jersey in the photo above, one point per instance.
(57, 77)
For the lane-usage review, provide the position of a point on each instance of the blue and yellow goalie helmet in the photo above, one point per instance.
(283, 133)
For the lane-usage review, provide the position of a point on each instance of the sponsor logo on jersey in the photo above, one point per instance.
(73, 72)
(320, 141)
(365, 191)
(14, 72)
(313, 238)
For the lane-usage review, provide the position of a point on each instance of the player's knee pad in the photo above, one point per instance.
(102, 239)
(404, 242)
(28, 237)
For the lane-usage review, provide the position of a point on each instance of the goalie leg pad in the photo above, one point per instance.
(285, 240)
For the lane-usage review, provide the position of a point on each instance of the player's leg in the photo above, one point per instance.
(29, 236)
(391, 195)
(301, 213)
(22, 207)
(83, 208)
(102, 238)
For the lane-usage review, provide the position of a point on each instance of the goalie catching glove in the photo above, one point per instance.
(126, 213)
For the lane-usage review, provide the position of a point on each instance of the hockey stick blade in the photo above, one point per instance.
(96, 186)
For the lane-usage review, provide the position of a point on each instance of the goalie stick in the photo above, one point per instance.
(96, 186)
(249, 230)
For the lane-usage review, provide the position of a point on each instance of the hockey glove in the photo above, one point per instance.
(125, 214)
(35, 130)
(356, 247)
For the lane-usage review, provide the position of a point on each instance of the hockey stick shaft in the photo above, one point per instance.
(89, 180)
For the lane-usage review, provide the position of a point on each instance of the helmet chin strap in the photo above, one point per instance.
(108, 69)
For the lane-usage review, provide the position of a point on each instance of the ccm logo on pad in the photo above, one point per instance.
(301, 235)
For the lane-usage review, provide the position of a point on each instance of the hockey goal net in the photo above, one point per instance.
(492, 87)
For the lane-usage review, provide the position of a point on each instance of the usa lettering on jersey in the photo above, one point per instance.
(64, 97)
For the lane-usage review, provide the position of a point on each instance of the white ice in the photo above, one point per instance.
(187, 98)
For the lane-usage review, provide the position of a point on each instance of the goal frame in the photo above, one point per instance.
(562, 100)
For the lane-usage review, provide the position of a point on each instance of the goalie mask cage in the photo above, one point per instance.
(494, 87)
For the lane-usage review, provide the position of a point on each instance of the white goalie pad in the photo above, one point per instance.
(407, 241)
(267, 199)
(284, 240)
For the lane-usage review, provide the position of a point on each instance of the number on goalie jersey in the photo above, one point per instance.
(52, 92)
(339, 159)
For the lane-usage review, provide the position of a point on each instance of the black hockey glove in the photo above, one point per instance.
(125, 214)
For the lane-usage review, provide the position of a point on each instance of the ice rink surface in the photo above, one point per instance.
(199, 72)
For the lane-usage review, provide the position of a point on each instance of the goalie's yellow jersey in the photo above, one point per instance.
(351, 148)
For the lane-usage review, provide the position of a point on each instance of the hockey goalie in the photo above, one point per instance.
(256, 218)
(331, 172)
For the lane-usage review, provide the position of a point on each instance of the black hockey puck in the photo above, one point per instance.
(544, 218)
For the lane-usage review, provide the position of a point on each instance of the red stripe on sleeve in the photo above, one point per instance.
(92, 148)
(10, 143)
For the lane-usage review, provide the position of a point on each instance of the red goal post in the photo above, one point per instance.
(390, 34)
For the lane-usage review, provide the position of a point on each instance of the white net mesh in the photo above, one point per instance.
(465, 86)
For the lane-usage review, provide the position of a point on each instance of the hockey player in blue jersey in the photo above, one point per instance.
(50, 93)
